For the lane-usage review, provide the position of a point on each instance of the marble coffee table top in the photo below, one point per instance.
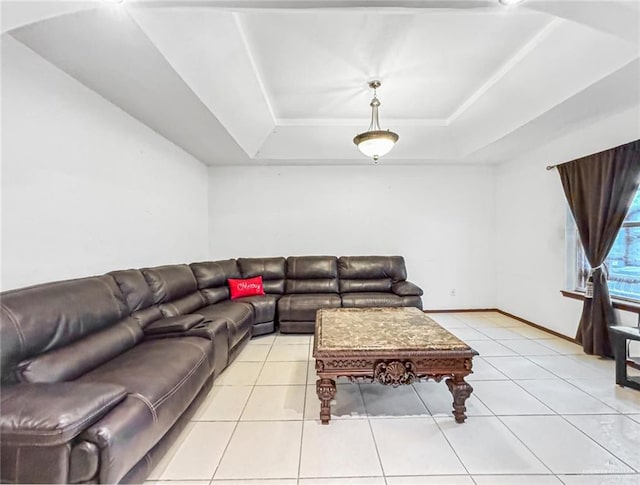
(381, 329)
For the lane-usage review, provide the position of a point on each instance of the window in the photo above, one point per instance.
(623, 261)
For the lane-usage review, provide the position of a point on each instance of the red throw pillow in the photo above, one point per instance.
(248, 287)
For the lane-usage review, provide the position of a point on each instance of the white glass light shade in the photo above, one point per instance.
(376, 144)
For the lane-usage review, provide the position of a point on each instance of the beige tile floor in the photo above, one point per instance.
(541, 413)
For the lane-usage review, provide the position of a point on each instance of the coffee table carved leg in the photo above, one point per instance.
(460, 390)
(326, 389)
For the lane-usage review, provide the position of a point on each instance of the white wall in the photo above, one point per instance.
(531, 216)
(440, 218)
(85, 187)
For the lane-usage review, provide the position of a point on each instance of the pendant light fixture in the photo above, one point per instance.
(375, 142)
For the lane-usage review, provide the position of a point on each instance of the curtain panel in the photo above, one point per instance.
(599, 189)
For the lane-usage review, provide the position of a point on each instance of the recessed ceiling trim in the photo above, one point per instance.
(506, 67)
(356, 122)
(258, 76)
(252, 61)
(320, 4)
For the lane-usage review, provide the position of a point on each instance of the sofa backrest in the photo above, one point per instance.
(212, 278)
(59, 330)
(174, 289)
(272, 270)
(137, 295)
(312, 274)
(370, 273)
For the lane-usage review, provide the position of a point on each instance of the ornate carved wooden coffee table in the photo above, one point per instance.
(392, 346)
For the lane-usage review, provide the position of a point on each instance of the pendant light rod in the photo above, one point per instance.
(375, 142)
(375, 104)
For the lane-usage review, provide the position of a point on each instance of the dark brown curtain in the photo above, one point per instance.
(599, 189)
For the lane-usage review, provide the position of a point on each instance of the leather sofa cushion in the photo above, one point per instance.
(141, 470)
(357, 286)
(238, 317)
(134, 287)
(163, 376)
(178, 324)
(297, 327)
(84, 461)
(51, 464)
(159, 370)
(370, 299)
(146, 316)
(73, 360)
(304, 307)
(53, 414)
(42, 318)
(312, 267)
(272, 270)
(406, 288)
(123, 437)
(372, 267)
(184, 305)
(211, 274)
(313, 286)
(215, 295)
(415, 301)
(216, 331)
(264, 307)
(312, 274)
(170, 282)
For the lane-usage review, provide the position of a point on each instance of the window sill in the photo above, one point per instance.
(625, 305)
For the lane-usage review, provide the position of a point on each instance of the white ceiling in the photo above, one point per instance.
(268, 81)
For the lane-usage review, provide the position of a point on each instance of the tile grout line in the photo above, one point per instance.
(240, 416)
(501, 417)
(566, 380)
(304, 410)
(596, 442)
(442, 432)
(516, 436)
(616, 413)
(373, 436)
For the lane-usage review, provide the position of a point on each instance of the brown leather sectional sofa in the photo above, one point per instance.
(100, 374)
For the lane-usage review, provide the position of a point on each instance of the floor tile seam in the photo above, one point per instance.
(599, 444)
(443, 433)
(237, 424)
(528, 357)
(481, 402)
(553, 411)
(551, 472)
(292, 360)
(480, 329)
(375, 445)
(551, 353)
(615, 411)
(554, 378)
(373, 436)
(304, 411)
(422, 401)
(329, 477)
(490, 364)
(565, 341)
(568, 381)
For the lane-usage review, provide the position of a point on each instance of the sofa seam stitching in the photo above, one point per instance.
(159, 402)
(16, 324)
(65, 429)
(147, 403)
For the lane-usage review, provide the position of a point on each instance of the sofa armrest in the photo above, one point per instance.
(53, 413)
(406, 288)
(171, 325)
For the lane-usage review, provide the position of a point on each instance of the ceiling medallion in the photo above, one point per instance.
(375, 142)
